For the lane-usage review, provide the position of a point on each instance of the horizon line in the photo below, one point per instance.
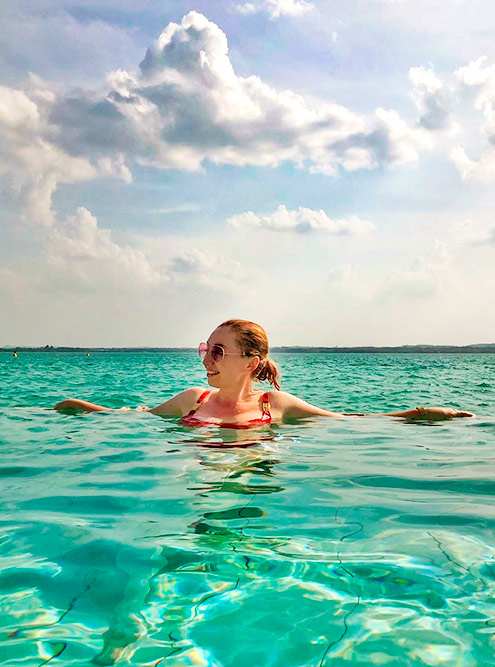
(276, 348)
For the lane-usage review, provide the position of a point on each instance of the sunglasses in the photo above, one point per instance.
(217, 352)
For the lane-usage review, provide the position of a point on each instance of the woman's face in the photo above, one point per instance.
(234, 367)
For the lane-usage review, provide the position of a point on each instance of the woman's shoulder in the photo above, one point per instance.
(181, 403)
(188, 394)
(279, 398)
(193, 393)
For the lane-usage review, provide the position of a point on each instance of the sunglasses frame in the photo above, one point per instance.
(204, 351)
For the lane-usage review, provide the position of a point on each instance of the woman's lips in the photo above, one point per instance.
(210, 373)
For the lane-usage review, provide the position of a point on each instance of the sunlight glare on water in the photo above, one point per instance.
(127, 539)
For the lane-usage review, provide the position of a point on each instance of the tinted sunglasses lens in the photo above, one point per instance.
(217, 353)
(202, 350)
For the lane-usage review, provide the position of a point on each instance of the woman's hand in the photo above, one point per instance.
(436, 414)
(430, 414)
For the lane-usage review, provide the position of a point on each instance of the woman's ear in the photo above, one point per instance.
(254, 363)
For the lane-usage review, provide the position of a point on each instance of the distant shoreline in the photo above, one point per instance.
(402, 349)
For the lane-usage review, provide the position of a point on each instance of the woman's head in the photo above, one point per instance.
(252, 342)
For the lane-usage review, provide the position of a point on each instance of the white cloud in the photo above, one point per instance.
(482, 169)
(485, 238)
(17, 110)
(34, 163)
(248, 8)
(186, 105)
(426, 277)
(347, 280)
(431, 99)
(477, 75)
(192, 262)
(302, 221)
(79, 253)
(178, 208)
(469, 234)
(477, 83)
(477, 80)
(341, 275)
(204, 269)
(99, 291)
(278, 8)
(396, 142)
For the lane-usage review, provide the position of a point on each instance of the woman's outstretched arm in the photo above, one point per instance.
(176, 406)
(77, 404)
(293, 407)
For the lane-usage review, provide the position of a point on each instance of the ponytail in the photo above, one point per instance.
(267, 370)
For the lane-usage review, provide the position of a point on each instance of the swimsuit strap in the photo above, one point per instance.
(198, 402)
(203, 396)
(265, 405)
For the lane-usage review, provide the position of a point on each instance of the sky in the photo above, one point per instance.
(325, 168)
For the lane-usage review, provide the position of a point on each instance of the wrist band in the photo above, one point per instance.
(422, 411)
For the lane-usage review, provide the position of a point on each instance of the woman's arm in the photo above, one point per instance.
(293, 407)
(176, 406)
(76, 404)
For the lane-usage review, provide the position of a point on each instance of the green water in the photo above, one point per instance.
(126, 539)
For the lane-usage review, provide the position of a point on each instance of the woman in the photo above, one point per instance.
(235, 355)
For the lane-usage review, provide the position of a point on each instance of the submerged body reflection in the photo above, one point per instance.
(240, 473)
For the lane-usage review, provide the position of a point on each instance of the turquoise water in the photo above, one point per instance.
(126, 539)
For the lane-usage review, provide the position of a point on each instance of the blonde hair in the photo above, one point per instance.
(253, 341)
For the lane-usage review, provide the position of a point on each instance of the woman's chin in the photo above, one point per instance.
(212, 380)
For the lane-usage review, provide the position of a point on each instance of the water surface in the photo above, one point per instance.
(126, 539)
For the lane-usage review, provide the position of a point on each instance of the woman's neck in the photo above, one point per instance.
(234, 395)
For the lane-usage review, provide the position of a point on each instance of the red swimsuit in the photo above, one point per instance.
(266, 418)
